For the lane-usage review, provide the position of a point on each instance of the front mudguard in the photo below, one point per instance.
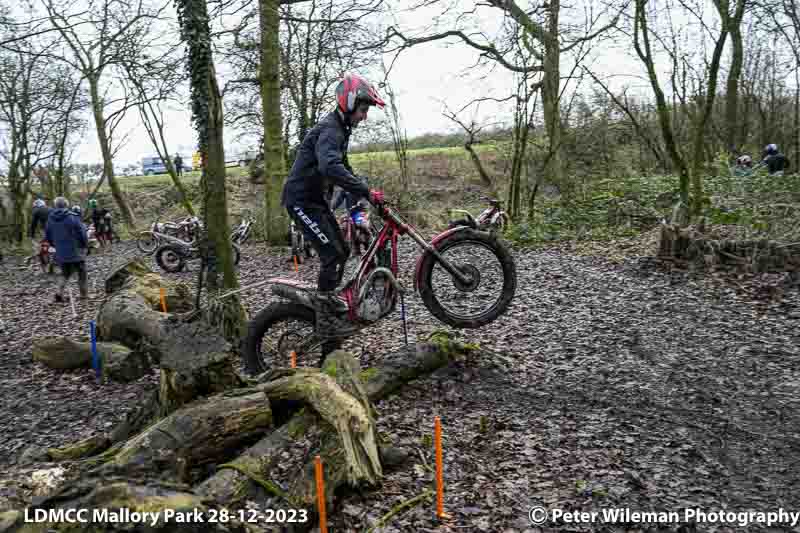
(434, 242)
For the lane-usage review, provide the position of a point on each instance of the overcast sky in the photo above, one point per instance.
(423, 77)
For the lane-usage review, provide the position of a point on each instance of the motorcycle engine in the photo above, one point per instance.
(378, 295)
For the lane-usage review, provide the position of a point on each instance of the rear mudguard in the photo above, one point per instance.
(438, 238)
(293, 290)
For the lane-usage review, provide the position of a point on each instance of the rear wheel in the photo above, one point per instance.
(275, 332)
(493, 283)
(147, 242)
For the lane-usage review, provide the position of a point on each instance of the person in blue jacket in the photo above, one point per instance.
(320, 164)
(67, 235)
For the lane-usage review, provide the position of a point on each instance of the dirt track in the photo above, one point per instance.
(611, 386)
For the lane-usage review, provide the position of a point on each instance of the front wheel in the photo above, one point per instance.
(170, 258)
(276, 332)
(488, 294)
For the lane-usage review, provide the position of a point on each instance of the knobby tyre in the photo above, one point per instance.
(274, 333)
(492, 267)
(147, 242)
(170, 258)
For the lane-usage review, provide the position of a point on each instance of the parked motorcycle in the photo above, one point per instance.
(172, 257)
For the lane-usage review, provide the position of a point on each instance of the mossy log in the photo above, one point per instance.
(109, 503)
(203, 432)
(338, 397)
(79, 450)
(693, 245)
(235, 484)
(135, 276)
(214, 429)
(194, 360)
(132, 312)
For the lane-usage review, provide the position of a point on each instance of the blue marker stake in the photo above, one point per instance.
(95, 357)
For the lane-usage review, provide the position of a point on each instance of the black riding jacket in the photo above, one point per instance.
(320, 164)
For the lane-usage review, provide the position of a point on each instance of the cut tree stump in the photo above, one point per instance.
(696, 245)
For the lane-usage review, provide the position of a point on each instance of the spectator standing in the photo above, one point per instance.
(67, 234)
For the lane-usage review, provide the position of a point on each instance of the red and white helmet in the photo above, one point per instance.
(354, 89)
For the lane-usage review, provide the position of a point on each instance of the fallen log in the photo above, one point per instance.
(132, 312)
(242, 479)
(135, 276)
(337, 396)
(194, 360)
(118, 362)
(205, 431)
(202, 432)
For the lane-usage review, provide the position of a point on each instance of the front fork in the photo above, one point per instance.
(448, 266)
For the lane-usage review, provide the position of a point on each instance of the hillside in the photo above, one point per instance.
(440, 178)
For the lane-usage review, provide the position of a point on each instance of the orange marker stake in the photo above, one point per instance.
(163, 300)
(437, 438)
(295, 264)
(323, 521)
(294, 359)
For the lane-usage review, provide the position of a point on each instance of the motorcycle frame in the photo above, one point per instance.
(395, 227)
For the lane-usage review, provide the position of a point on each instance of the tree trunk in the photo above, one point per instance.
(704, 114)
(228, 314)
(108, 158)
(274, 162)
(645, 54)
(732, 90)
(551, 97)
(478, 165)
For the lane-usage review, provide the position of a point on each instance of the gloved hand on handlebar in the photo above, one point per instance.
(376, 196)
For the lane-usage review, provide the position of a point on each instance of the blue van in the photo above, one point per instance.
(154, 165)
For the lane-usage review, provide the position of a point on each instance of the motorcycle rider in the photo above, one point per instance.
(38, 217)
(320, 164)
(775, 161)
(744, 166)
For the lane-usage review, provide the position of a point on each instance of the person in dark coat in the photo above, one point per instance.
(774, 160)
(179, 164)
(67, 235)
(320, 164)
(38, 217)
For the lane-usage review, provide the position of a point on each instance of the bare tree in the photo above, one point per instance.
(154, 84)
(207, 114)
(545, 38)
(106, 35)
(472, 130)
(30, 111)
